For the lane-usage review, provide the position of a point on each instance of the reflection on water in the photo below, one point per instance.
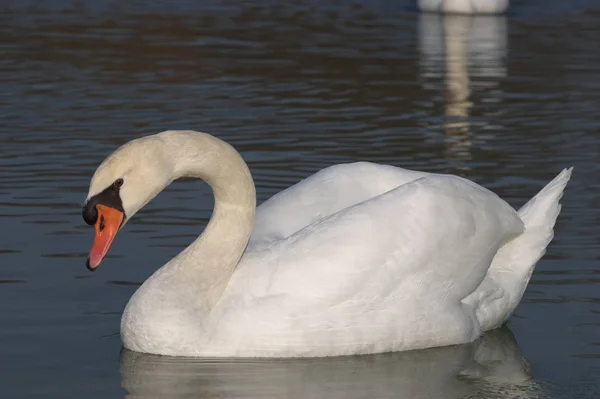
(463, 51)
(492, 367)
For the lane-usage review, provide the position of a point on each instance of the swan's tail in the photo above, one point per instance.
(539, 216)
(511, 269)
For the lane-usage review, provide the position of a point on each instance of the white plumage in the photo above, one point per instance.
(464, 6)
(357, 258)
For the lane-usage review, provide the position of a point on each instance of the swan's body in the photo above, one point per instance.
(358, 258)
(464, 6)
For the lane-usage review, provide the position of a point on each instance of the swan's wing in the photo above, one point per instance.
(386, 274)
(430, 240)
(322, 194)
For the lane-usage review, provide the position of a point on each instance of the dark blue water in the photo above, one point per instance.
(295, 86)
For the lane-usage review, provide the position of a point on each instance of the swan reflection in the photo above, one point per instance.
(468, 53)
(492, 367)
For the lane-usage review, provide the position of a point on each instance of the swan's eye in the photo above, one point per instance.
(118, 183)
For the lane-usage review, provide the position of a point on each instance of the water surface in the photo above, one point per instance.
(294, 86)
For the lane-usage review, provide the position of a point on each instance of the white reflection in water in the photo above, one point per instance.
(492, 367)
(468, 53)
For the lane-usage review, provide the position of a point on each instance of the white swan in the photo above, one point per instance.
(464, 6)
(357, 258)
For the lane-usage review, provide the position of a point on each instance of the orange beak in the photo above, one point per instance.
(105, 230)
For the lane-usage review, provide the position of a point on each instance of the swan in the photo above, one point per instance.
(464, 6)
(358, 258)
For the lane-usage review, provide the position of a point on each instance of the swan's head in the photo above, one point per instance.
(123, 183)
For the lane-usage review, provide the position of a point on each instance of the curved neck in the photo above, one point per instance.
(207, 264)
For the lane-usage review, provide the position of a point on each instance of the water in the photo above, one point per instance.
(295, 86)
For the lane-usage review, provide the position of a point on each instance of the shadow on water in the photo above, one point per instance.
(492, 367)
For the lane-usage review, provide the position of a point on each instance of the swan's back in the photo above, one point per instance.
(322, 194)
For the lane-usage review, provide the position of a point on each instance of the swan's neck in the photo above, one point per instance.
(205, 266)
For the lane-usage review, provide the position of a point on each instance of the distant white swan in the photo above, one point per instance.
(357, 258)
(464, 6)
